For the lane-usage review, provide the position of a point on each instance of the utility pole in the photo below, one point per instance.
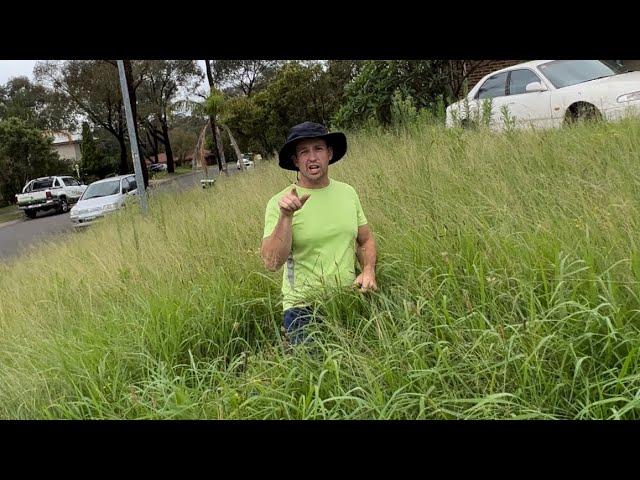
(135, 153)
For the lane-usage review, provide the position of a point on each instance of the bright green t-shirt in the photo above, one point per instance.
(324, 238)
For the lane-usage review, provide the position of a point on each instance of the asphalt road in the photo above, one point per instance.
(18, 236)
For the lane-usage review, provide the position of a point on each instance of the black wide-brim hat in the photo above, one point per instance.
(336, 140)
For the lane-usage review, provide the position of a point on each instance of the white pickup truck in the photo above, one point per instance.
(45, 193)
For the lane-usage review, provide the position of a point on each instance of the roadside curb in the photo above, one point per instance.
(155, 183)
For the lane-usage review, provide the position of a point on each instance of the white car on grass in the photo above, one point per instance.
(103, 197)
(549, 93)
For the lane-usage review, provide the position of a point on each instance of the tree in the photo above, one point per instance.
(163, 81)
(132, 85)
(38, 106)
(25, 153)
(245, 116)
(214, 105)
(428, 83)
(292, 93)
(93, 88)
(215, 132)
(182, 141)
(296, 93)
(96, 162)
(242, 76)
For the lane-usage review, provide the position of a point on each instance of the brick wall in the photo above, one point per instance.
(632, 64)
(484, 67)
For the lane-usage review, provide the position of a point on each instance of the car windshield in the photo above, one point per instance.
(564, 73)
(102, 189)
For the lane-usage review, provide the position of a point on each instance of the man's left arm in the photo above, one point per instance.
(366, 253)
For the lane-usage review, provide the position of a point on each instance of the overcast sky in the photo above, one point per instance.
(16, 68)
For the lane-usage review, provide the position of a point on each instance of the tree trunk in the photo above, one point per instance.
(123, 168)
(167, 147)
(128, 74)
(235, 147)
(153, 141)
(218, 141)
(217, 145)
(199, 152)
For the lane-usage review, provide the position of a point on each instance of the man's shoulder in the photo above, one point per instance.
(345, 187)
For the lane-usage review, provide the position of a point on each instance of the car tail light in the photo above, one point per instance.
(48, 194)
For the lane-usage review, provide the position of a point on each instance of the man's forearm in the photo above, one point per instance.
(366, 254)
(277, 246)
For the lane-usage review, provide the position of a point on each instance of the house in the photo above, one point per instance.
(208, 155)
(67, 145)
(480, 68)
(162, 158)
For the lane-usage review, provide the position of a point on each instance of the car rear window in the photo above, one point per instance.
(70, 181)
(42, 184)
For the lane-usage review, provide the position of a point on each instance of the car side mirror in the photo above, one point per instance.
(535, 87)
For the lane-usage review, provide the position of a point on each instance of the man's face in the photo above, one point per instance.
(312, 159)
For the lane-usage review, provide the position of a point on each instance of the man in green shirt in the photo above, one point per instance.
(316, 228)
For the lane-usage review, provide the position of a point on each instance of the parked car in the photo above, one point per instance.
(246, 159)
(103, 197)
(46, 193)
(550, 93)
(158, 167)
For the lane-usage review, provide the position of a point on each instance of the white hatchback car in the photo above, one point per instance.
(102, 197)
(548, 93)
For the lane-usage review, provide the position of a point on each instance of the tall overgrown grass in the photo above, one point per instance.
(508, 273)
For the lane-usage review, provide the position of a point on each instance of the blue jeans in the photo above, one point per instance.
(295, 321)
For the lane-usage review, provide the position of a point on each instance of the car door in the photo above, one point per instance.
(72, 188)
(527, 108)
(124, 185)
(494, 89)
(133, 185)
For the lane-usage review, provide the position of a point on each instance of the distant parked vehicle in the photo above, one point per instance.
(158, 167)
(46, 193)
(248, 163)
(550, 93)
(103, 197)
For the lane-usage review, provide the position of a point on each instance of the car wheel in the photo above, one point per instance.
(466, 124)
(31, 213)
(64, 206)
